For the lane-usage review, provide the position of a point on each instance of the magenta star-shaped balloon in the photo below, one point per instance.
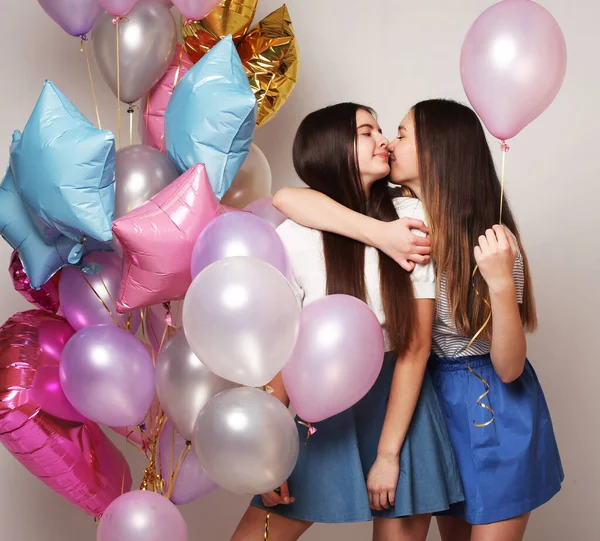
(158, 237)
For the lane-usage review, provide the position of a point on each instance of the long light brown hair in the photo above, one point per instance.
(325, 158)
(461, 193)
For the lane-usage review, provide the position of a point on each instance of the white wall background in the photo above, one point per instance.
(387, 54)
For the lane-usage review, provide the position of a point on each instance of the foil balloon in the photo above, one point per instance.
(211, 117)
(513, 63)
(152, 122)
(252, 182)
(45, 298)
(158, 238)
(76, 17)
(191, 481)
(269, 51)
(246, 441)
(147, 40)
(230, 17)
(75, 459)
(71, 193)
(40, 260)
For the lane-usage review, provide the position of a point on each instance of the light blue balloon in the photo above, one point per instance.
(211, 116)
(64, 170)
(40, 260)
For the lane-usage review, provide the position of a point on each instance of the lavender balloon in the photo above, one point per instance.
(142, 515)
(263, 208)
(108, 376)
(238, 234)
(192, 482)
(76, 17)
(240, 317)
(337, 358)
(513, 63)
(90, 299)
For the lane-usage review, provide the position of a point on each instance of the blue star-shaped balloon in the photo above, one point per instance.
(64, 169)
(211, 116)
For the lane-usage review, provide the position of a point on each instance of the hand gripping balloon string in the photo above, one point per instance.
(504, 148)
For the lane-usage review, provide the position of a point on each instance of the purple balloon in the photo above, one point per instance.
(76, 17)
(108, 375)
(78, 293)
(238, 234)
(337, 358)
(513, 63)
(142, 515)
(263, 208)
(192, 482)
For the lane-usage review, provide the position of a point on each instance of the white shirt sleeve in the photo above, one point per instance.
(288, 233)
(423, 276)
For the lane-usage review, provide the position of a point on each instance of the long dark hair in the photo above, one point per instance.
(325, 158)
(461, 193)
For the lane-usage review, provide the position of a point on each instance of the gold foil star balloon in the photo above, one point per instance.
(269, 51)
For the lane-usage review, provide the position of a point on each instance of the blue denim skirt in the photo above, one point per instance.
(511, 466)
(329, 481)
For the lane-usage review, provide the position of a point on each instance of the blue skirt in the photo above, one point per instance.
(329, 481)
(511, 466)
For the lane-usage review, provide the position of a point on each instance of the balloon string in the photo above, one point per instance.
(267, 525)
(126, 324)
(175, 474)
(89, 67)
(131, 111)
(505, 148)
(101, 300)
(311, 430)
(176, 80)
(116, 21)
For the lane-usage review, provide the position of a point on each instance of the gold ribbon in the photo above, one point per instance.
(87, 59)
(505, 148)
(267, 525)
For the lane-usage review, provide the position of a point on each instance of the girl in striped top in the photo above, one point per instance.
(494, 406)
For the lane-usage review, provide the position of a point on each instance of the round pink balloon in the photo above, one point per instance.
(513, 63)
(142, 515)
(119, 8)
(337, 358)
(48, 393)
(238, 234)
(195, 9)
(263, 208)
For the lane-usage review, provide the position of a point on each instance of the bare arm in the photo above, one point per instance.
(404, 394)
(317, 211)
(495, 256)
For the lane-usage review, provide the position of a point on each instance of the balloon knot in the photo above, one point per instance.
(83, 37)
(188, 22)
(504, 146)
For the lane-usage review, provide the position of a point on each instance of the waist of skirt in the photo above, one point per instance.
(451, 364)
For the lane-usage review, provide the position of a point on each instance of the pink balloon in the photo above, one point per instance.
(91, 299)
(263, 208)
(142, 515)
(195, 9)
(158, 237)
(76, 17)
(108, 375)
(238, 234)
(48, 393)
(337, 358)
(513, 63)
(118, 8)
(75, 459)
(152, 122)
(46, 297)
(192, 482)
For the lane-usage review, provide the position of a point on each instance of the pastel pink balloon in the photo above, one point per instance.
(74, 458)
(337, 358)
(195, 9)
(152, 122)
(263, 208)
(158, 238)
(118, 8)
(513, 63)
(48, 393)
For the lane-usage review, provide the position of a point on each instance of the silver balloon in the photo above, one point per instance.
(185, 385)
(141, 172)
(147, 41)
(246, 441)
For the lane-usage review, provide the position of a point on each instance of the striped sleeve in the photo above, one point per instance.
(519, 276)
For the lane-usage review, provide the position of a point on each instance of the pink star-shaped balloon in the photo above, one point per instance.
(158, 237)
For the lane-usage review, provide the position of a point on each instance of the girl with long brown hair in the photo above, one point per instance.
(389, 457)
(494, 406)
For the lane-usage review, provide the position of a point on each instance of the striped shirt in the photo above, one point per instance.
(447, 341)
